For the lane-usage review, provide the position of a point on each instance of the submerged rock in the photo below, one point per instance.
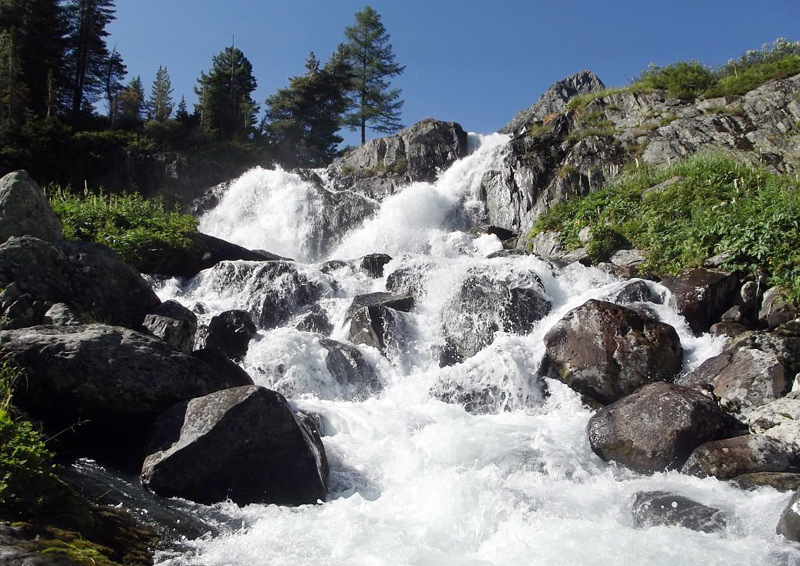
(656, 428)
(789, 523)
(656, 508)
(242, 444)
(315, 320)
(350, 369)
(607, 351)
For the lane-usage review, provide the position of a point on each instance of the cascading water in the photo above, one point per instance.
(415, 480)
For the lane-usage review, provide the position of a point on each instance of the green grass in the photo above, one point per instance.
(715, 205)
(142, 231)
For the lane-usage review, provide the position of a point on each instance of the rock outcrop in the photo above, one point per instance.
(242, 444)
(606, 351)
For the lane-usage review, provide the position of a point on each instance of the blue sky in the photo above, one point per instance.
(474, 62)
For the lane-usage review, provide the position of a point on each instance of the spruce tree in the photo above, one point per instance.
(13, 91)
(375, 105)
(130, 106)
(225, 106)
(303, 118)
(160, 105)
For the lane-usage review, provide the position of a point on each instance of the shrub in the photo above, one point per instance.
(142, 231)
(684, 80)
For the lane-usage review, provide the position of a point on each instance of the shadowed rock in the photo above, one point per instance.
(656, 508)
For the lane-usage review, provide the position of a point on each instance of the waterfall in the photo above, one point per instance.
(416, 479)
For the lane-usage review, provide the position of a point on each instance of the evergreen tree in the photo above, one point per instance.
(225, 104)
(160, 105)
(115, 71)
(87, 54)
(182, 113)
(130, 105)
(371, 57)
(12, 88)
(303, 118)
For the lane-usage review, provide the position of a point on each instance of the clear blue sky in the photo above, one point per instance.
(476, 62)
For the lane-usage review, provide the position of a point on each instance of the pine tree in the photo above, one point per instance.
(87, 54)
(182, 113)
(225, 104)
(303, 118)
(160, 105)
(115, 71)
(12, 88)
(371, 57)
(130, 106)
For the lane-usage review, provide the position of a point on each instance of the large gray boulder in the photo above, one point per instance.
(656, 428)
(174, 324)
(656, 508)
(779, 419)
(417, 153)
(555, 99)
(377, 319)
(242, 444)
(730, 457)
(90, 278)
(702, 295)
(24, 210)
(113, 380)
(486, 303)
(606, 351)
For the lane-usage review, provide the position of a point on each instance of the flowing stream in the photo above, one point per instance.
(415, 480)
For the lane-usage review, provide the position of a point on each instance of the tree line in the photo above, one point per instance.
(62, 95)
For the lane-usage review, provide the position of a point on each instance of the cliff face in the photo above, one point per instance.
(573, 152)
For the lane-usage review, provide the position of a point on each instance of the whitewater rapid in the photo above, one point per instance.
(417, 481)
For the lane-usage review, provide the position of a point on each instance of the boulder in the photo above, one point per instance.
(656, 428)
(376, 319)
(782, 481)
(174, 324)
(702, 296)
(112, 380)
(24, 210)
(315, 319)
(222, 365)
(779, 419)
(231, 332)
(242, 444)
(89, 278)
(62, 315)
(408, 280)
(373, 264)
(775, 309)
(203, 251)
(657, 508)
(638, 291)
(789, 523)
(350, 369)
(607, 351)
(271, 291)
(486, 303)
(730, 457)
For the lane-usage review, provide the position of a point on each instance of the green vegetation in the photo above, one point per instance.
(142, 231)
(679, 215)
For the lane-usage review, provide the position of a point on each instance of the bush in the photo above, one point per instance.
(684, 80)
(141, 231)
(684, 213)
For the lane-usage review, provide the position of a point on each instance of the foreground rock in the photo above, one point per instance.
(89, 278)
(242, 444)
(24, 210)
(789, 524)
(730, 457)
(112, 380)
(485, 304)
(656, 428)
(376, 319)
(174, 324)
(656, 508)
(607, 351)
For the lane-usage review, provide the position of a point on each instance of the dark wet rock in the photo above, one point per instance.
(174, 324)
(374, 264)
(350, 369)
(661, 508)
(242, 444)
(24, 210)
(657, 427)
(409, 280)
(272, 291)
(485, 304)
(729, 329)
(789, 523)
(730, 457)
(484, 391)
(113, 380)
(231, 332)
(638, 291)
(376, 319)
(782, 481)
(702, 295)
(608, 351)
(223, 366)
(775, 309)
(315, 320)
(89, 278)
